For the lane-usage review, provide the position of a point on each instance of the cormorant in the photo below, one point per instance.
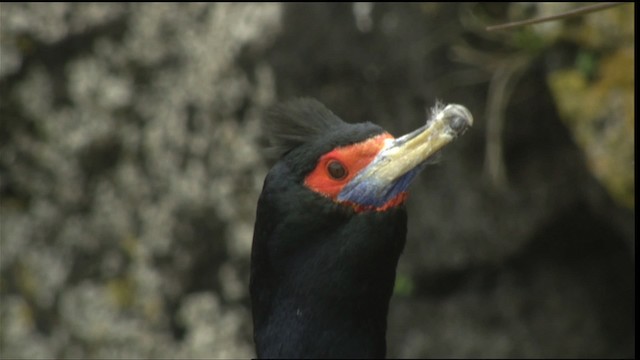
(330, 227)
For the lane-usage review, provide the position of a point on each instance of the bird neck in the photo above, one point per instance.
(325, 326)
(322, 276)
(331, 299)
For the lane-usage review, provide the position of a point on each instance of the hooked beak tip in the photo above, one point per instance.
(457, 118)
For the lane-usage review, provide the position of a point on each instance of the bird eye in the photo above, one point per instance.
(336, 170)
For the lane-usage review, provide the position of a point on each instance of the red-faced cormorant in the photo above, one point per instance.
(330, 227)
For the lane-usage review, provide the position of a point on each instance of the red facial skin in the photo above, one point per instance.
(353, 158)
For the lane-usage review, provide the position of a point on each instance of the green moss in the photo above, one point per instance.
(529, 41)
(600, 115)
(403, 286)
(122, 291)
(26, 280)
(587, 63)
(130, 245)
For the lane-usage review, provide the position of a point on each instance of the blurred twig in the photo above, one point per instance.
(504, 70)
(501, 86)
(567, 14)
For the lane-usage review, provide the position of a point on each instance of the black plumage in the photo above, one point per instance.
(323, 269)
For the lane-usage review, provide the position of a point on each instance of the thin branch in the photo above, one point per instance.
(571, 13)
(501, 87)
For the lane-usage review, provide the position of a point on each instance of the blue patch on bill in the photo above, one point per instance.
(373, 192)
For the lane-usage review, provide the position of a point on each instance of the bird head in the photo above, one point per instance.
(362, 167)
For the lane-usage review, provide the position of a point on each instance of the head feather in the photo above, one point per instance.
(295, 122)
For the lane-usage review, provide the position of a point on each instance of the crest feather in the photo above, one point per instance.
(295, 122)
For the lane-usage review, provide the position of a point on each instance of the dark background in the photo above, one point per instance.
(131, 163)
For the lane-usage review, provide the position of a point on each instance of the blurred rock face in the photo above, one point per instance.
(130, 166)
(129, 177)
